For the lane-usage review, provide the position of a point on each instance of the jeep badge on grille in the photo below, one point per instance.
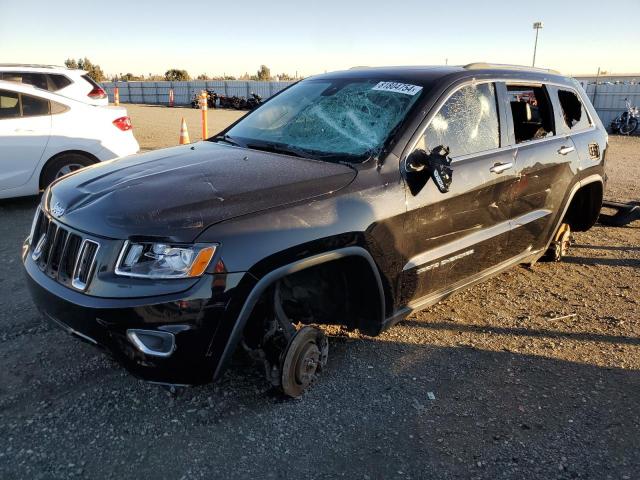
(57, 210)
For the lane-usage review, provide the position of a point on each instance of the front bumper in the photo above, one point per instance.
(193, 317)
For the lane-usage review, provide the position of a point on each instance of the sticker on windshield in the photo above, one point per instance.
(398, 88)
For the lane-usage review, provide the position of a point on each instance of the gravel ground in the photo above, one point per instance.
(533, 374)
(159, 127)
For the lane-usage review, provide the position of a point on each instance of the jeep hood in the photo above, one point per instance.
(176, 193)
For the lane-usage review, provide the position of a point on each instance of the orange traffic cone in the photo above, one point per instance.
(184, 133)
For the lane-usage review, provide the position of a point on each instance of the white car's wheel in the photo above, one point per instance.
(63, 165)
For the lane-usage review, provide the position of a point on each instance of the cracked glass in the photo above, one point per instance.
(467, 123)
(348, 117)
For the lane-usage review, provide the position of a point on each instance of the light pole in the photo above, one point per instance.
(536, 26)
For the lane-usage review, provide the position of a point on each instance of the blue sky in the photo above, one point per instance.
(144, 36)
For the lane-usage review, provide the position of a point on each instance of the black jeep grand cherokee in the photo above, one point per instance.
(350, 198)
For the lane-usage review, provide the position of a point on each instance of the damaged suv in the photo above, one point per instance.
(350, 198)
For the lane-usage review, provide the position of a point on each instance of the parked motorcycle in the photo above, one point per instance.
(254, 101)
(212, 98)
(627, 122)
(239, 103)
(230, 102)
(195, 101)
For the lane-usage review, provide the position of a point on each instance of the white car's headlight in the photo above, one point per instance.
(163, 260)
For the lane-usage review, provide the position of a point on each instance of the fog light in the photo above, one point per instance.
(152, 342)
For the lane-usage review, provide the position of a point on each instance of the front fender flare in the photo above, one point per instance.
(280, 272)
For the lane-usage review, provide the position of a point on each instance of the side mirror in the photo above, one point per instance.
(417, 161)
(436, 164)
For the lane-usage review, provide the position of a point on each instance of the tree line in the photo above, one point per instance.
(173, 74)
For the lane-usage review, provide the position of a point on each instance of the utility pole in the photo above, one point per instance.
(536, 26)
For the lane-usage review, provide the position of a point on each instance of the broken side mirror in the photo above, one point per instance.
(417, 161)
(436, 164)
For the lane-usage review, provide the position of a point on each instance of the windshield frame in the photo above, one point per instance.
(384, 149)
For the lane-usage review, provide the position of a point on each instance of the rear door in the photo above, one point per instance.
(574, 120)
(451, 236)
(545, 159)
(25, 127)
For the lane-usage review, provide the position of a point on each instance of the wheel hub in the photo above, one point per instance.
(72, 167)
(305, 357)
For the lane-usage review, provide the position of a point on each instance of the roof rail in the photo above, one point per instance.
(31, 65)
(503, 66)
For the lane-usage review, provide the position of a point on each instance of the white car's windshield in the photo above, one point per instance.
(328, 118)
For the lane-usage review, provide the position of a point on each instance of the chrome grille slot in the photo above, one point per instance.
(84, 264)
(52, 229)
(67, 257)
(40, 226)
(56, 251)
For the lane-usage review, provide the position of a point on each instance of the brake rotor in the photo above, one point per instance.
(305, 358)
(563, 240)
(560, 245)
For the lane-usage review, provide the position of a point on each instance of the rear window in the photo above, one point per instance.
(93, 83)
(34, 106)
(573, 112)
(9, 105)
(38, 80)
(531, 112)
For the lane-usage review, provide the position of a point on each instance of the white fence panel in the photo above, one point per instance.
(609, 99)
(157, 93)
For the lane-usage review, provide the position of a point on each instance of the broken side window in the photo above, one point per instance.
(467, 123)
(531, 112)
(573, 112)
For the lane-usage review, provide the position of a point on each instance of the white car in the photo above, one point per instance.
(44, 136)
(70, 83)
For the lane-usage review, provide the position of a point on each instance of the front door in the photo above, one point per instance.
(25, 126)
(454, 235)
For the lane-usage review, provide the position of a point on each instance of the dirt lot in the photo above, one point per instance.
(159, 127)
(534, 374)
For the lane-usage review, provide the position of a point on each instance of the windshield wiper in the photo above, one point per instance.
(226, 138)
(275, 148)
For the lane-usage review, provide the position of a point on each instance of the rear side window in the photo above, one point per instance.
(38, 80)
(34, 106)
(9, 105)
(58, 82)
(531, 112)
(573, 111)
(57, 108)
(467, 123)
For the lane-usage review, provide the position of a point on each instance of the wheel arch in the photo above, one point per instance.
(578, 186)
(281, 272)
(583, 208)
(84, 153)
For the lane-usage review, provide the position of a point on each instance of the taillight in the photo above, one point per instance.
(97, 93)
(123, 123)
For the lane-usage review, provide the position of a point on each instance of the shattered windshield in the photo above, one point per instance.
(346, 118)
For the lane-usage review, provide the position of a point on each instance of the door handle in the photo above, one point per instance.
(501, 167)
(566, 150)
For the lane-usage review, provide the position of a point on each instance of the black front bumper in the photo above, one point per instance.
(194, 317)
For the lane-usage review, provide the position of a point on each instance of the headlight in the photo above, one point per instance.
(162, 260)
